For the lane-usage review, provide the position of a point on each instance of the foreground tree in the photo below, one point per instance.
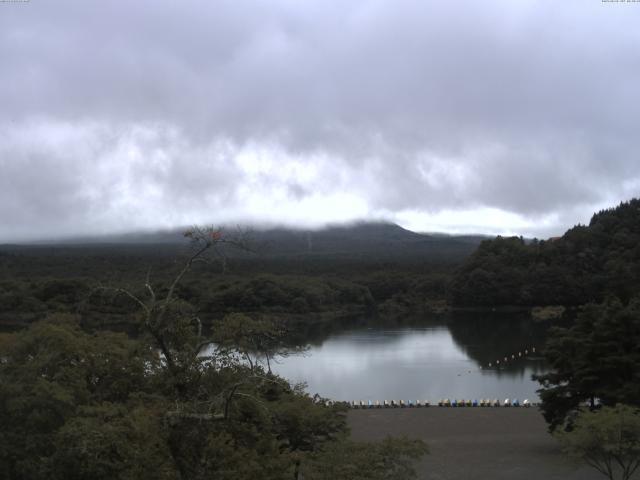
(390, 459)
(255, 340)
(607, 439)
(596, 361)
(77, 405)
(173, 325)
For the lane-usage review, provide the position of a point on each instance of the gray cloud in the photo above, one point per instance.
(120, 114)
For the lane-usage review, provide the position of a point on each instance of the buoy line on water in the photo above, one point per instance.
(515, 356)
(501, 361)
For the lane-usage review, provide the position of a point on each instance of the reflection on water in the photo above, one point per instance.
(421, 362)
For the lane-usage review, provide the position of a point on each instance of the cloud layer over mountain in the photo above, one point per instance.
(487, 116)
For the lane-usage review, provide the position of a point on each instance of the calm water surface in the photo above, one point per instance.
(425, 362)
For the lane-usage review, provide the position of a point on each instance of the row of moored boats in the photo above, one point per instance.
(483, 402)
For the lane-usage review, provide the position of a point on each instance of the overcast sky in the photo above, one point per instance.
(457, 116)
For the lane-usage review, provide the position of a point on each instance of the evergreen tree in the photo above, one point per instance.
(596, 361)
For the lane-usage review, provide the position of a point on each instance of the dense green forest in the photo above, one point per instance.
(76, 405)
(308, 277)
(79, 404)
(595, 361)
(78, 400)
(584, 265)
(303, 277)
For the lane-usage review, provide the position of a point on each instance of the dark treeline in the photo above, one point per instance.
(586, 264)
(342, 272)
(309, 276)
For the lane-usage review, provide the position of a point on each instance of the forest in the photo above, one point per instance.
(348, 272)
(78, 402)
(105, 370)
(308, 278)
(586, 264)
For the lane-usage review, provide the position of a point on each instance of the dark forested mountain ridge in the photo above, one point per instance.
(586, 264)
(381, 238)
(362, 238)
(335, 271)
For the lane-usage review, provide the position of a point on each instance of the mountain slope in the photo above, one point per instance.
(363, 238)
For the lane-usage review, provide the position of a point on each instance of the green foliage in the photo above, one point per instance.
(251, 338)
(48, 375)
(390, 459)
(585, 265)
(314, 287)
(76, 405)
(113, 440)
(596, 360)
(62, 290)
(281, 293)
(607, 439)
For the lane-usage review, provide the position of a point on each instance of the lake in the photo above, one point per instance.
(430, 359)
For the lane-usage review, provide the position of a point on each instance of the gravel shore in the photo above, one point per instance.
(475, 443)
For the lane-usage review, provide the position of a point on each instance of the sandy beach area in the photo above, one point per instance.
(475, 443)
